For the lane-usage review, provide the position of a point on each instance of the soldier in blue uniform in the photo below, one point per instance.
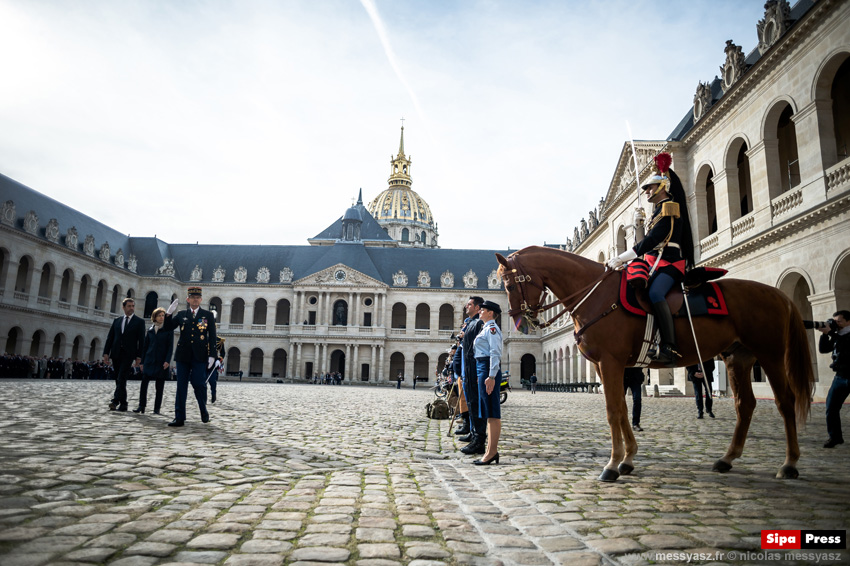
(487, 348)
(667, 248)
(195, 355)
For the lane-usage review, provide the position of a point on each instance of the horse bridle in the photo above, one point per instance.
(530, 314)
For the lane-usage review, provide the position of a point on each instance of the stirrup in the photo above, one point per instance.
(665, 355)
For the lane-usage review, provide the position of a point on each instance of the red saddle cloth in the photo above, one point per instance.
(704, 298)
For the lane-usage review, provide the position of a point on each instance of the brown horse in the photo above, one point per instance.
(763, 324)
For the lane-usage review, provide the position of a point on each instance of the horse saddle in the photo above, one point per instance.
(704, 296)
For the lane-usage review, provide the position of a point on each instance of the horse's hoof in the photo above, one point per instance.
(787, 473)
(721, 466)
(609, 475)
(625, 469)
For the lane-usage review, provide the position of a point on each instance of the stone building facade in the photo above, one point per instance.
(763, 157)
(356, 300)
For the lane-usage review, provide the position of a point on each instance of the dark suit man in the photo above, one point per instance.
(124, 345)
(195, 354)
(696, 376)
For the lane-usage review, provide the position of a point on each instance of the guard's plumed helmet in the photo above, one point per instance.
(659, 177)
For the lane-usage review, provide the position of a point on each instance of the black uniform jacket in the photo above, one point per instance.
(158, 349)
(127, 345)
(709, 371)
(660, 228)
(197, 335)
(840, 348)
(470, 332)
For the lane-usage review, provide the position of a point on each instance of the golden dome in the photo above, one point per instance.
(400, 203)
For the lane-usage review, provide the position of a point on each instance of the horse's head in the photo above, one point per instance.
(525, 294)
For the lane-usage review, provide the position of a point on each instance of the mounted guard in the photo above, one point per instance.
(667, 250)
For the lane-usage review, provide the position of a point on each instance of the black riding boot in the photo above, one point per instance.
(666, 354)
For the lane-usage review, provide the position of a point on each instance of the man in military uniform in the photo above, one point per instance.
(219, 367)
(195, 355)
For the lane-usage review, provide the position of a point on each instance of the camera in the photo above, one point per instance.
(818, 325)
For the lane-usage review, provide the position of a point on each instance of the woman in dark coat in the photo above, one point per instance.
(156, 359)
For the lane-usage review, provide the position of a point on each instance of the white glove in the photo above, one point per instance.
(616, 262)
(218, 364)
(210, 362)
(172, 307)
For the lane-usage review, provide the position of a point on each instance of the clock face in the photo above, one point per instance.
(339, 275)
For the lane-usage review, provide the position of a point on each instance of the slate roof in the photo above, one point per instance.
(380, 263)
(798, 10)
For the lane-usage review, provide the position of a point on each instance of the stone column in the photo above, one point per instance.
(760, 182)
(226, 309)
(298, 365)
(289, 361)
(379, 376)
(814, 122)
(352, 315)
(355, 374)
(722, 207)
(268, 361)
(372, 368)
(348, 361)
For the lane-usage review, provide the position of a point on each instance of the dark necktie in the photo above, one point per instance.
(126, 322)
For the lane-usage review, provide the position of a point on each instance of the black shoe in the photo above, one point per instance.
(699, 416)
(205, 417)
(482, 462)
(474, 448)
(637, 427)
(463, 429)
(157, 413)
(467, 438)
(139, 410)
(212, 399)
(175, 422)
(666, 354)
(710, 414)
(113, 405)
(832, 443)
(122, 408)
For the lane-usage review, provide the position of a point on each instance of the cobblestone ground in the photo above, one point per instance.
(302, 474)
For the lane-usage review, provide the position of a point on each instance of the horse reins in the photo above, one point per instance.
(530, 314)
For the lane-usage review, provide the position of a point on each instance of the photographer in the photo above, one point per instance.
(835, 339)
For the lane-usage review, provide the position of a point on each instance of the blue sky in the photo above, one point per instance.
(268, 116)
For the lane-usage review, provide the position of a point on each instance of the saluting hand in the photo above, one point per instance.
(172, 307)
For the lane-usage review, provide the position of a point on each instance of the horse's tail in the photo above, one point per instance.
(798, 365)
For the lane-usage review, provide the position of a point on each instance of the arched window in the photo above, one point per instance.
(215, 307)
(234, 360)
(423, 237)
(116, 296)
(281, 315)
(405, 235)
(58, 350)
(421, 367)
(85, 285)
(447, 317)
(237, 311)
(621, 240)
(745, 188)
(24, 277)
(423, 317)
(399, 318)
(37, 344)
(527, 366)
(841, 109)
(45, 286)
(256, 367)
(100, 296)
(13, 343)
(4, 266)
(340, 313)
(94, 350)
(77, 349)
(260, 308)
(279, 363)
(396, 365)
(151, 302)
(789, 166)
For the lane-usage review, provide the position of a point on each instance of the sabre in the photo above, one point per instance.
(696, 344)
(634, 156)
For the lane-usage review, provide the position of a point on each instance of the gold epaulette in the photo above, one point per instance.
(670, 209)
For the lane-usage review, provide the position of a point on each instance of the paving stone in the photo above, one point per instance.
(378, 550)
(218, 540)
(254, 560)
(323, 539)
(200, 556)
(321, 554)
(91, 554)
(261, 546)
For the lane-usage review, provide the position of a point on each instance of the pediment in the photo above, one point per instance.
(339, 275)
(624, 174)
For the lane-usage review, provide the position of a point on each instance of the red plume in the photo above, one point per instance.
(663, 162)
